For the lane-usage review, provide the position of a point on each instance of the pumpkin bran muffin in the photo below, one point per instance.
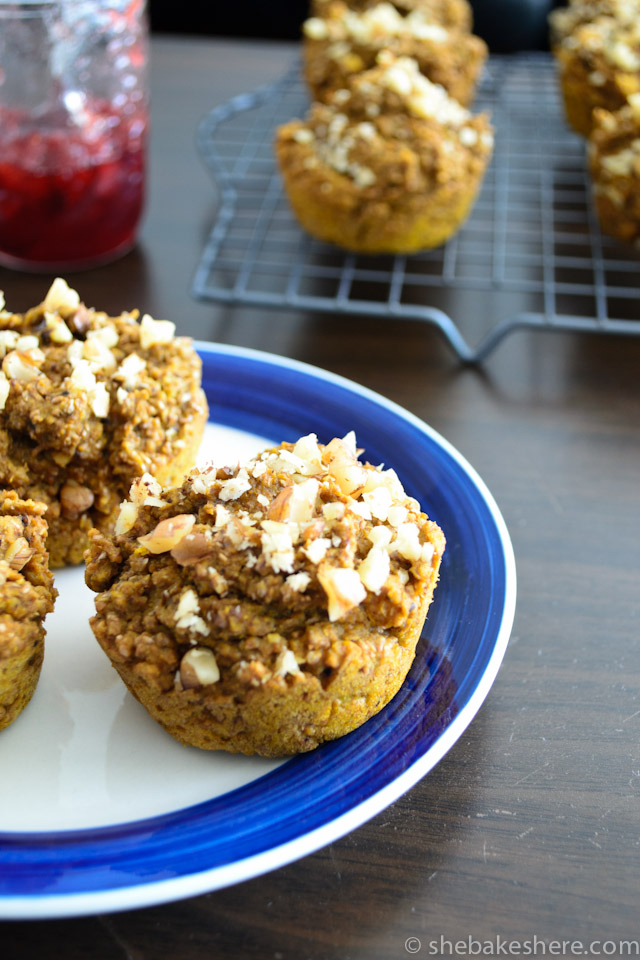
(614, 164)
(453, 14)
(345, 42)
(268, 607)
(391, 165)
(599, 67)
(89, 402)
(27, 595)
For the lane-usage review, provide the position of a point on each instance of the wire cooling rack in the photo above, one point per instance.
(530, 254)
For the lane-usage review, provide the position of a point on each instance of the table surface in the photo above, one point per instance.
(529, 826)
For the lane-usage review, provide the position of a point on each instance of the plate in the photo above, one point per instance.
(106, 812)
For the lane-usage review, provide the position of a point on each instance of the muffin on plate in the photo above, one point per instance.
(614, 164)
(345, 42)
(453, 14)
(27, 595)
(391, 164)
(599, 67)
(267, 607)
(89, 402)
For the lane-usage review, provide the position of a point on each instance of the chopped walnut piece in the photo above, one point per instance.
(198, 668)
(188, 613)
(375, 569)
(126, 518)
(192, 549)
(343, 588)
(23, 364)
(286, 663)
(18, 553)
(168, 533)
(75, 499)
(58, 330)
(5, 386)
(155, 331)
(343, 464)
(60, 296)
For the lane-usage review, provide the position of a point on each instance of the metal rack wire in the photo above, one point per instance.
(531, 246)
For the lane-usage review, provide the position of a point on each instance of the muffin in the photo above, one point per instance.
(27, 595)
(453, 14)
(268, 607)
(564, 20)
(599, 67)
(89, 402)
(391, 165)
(614, 164)
(345, 42)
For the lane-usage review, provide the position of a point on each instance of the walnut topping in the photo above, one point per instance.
(155, 331)
(234, 487)
(286, 663)
(84, 379)
(343, 464)
(168, 533)
(126, 518)
(315, 28)
(75, 500)
(298, 581)
(98, 355)
(344, 590)
(23, 364)
(8, 341)
(192, 549)
(130, 370)
(295, 503)
(277, 546)
(61, 297)
(58, 330)
(317, 549)
(375, 569)
(198, 668)
(145, 492)
(5, 386)
(187, 613)
(18, 553)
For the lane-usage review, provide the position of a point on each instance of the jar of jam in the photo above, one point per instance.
(73, 128)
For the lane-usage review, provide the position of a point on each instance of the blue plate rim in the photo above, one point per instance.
(161, 891)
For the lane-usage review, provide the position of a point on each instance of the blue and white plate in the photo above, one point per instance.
(101, 810)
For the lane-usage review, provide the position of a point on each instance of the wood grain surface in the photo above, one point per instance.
(530, 826)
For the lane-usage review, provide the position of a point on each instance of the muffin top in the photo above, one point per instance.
(392, 129)
(372, 26)
(449, 13)
(607, 42)
(74, 379)
(280, 559)
(564, 20)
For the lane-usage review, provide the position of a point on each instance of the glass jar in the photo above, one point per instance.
(73, 129)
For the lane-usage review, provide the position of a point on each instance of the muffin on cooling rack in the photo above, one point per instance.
(391, 165)
(599, 67)
(345, 42)
(614, 164)
(26, 596)
(89, 402)
(268, 607)
(453, 14)
(564, 20)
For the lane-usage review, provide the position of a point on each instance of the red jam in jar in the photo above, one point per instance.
(71, 198)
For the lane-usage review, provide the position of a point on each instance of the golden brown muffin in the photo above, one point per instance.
(88, 403)
(564, 20)
(345, 42)
(614, 163)
(391, 165)
(27, 595)
(268, 607)
(599, 67)
(453, 14)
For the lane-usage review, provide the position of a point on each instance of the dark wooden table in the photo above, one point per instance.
(530, 826)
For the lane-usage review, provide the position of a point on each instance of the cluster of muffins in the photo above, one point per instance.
(262, 608)
(389, 159)
(597, 47)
